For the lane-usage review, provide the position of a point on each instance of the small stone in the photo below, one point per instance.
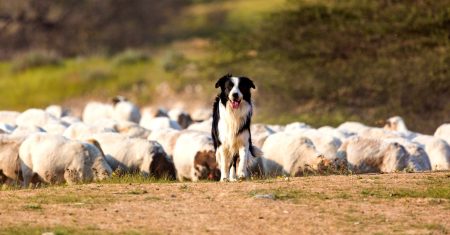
(265, 196)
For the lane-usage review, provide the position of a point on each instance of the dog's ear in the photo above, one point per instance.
(222, 80)
(248, 81)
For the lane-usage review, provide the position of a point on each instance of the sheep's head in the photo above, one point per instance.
(395, 124)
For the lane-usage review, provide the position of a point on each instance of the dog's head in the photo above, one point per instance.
(234, 90)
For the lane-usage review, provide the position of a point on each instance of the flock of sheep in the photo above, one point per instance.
(52, 146)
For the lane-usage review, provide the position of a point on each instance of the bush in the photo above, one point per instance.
(36, 58)
(129, 56)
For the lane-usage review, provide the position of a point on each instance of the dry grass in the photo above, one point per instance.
(373, 204)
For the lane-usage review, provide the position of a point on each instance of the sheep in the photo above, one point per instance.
(159, 123)
(296, 126)
(378, 133)
(437, 149)
(100, 167)
(35, 117)
(131, 129)
(57, 111)
(151, 112)
(167, 138)
(181, 117)
(201, 114)
(125, 110)
(325, 144)
(260, 132)
(373, 155)
(397, 124)
(54, 159)
(204, 126)
(9, 117)
(134, 155)
(82, 131)
(6, 128)
(331, 131)
(69, 120)
(95, 111)
(55, 128)
(289, 153)
(10, 172)
(443, 132)
(26, 130)
(418, 159)
(352, 127)
(194, 157)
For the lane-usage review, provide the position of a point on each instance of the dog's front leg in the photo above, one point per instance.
(242, 168)
(224, 164)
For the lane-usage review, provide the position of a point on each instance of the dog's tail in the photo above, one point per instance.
(255, 151)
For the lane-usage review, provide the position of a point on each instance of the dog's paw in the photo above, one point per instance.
(224, 180)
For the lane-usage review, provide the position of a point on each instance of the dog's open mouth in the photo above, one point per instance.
(235, 103)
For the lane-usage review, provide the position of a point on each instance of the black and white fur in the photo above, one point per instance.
(232, 113)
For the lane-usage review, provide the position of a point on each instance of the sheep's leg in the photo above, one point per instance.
(242, 167)
(27, 175)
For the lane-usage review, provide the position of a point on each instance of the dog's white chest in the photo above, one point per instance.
(229, 124)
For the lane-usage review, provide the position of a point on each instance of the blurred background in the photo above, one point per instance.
(322, 62)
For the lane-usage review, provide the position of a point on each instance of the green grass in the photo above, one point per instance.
(135, 179)
(437, 191)
(320, 62)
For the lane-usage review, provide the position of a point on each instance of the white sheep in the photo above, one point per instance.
(331, 131)
(53, 159)
(294, 126)
(9, 117)
(397, 124)
(69, 120)
(260, 132)
(125, 110)
(290, 153)
(352, 127)
(204, 126)
(134, 155)
(131, 129)
(35, 117)
(26, 130)
(181, 117)
(373, 155)
(167, 138)
(10, 171)
(443, 132)
(159, 123)
(326, 144)
(437, 149)
(6, 128)
(57, 111)
(94, 111)
(82, 131)
(201, 114)
(194, 157)
(418, 159)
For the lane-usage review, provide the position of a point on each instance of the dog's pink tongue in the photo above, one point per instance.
(235, 104)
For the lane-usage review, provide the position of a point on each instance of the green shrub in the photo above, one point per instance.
(36, 58)
(130, 57)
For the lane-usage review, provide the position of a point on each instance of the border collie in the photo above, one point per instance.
(232, 113)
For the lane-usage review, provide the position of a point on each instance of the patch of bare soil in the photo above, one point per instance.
(363, 204)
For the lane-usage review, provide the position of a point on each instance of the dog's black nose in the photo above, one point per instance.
(235, 95)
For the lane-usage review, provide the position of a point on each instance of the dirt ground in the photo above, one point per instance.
(402, 203)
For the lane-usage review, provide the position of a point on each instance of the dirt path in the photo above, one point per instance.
(365, 204)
